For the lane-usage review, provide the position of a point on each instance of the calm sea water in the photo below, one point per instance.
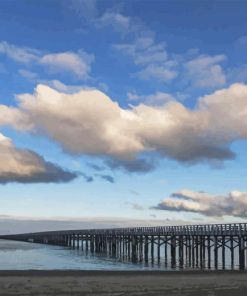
(24, 256)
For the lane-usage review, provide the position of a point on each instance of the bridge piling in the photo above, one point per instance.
(184, 245)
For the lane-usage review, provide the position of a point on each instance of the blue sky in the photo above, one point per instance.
(132, 109)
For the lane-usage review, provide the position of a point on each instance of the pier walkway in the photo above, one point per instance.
(194, 245)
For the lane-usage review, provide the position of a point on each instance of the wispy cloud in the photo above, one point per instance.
(156, 99)
(87, 178)
(91, 179)
(231, 204)
(205, 71)
(19, 54)
(77, 63)
(152, 59)
(96, 167)
(135, 206)
(107, 178)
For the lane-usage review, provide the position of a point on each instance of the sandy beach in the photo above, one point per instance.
(210, 283)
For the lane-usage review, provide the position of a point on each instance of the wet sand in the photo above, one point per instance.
(196, 283)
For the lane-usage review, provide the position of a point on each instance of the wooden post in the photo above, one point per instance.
(181, 259)
(193, 251)
(78, 241)
(152, 248)
(73, 241)
(141, 248)
(166, 250)
(189, 242)
(146, 248)
(134, 256)
(82, 241)
(223, 252)
(232, 251)
(209, 252)
(173, 251)
(216, 252)
(86, 243)
(241, 252)
(158, 249)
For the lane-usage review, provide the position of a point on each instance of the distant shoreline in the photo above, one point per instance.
(95, 282)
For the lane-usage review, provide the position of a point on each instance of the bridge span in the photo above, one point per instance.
(202, 246)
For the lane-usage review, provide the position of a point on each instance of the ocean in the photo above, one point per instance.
(27, 256)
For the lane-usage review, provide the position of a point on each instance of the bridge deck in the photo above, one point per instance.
(196, 244)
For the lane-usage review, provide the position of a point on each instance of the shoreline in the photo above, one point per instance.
(95, 282)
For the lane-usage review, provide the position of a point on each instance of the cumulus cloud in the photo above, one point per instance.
(231, 204)
(15, 118)
(89, 122)
(205, 71)
(25, 166)
(77, 63)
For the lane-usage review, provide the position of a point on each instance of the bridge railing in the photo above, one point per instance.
(204, 229)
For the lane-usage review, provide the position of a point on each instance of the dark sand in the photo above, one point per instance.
(196, 283)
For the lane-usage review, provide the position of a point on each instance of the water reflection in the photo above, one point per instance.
(20, 255)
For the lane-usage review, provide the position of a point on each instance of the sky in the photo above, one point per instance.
(132, 110)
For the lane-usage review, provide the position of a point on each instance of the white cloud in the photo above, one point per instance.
(205, 71)
(118, 21)
(15, 118)
(25, 166)
(89, 122)
(133, 96)
(151, 57)
(60, 86)
(157, 72)
(19, 54)
(28, 74)
(157, 99)
(85, 8)
(242, 41)
(77, 63)
(231, 204)
(145, 51)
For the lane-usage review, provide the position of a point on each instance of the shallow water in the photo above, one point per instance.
(24, 256)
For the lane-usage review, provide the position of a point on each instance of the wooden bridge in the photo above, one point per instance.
(203, 246)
